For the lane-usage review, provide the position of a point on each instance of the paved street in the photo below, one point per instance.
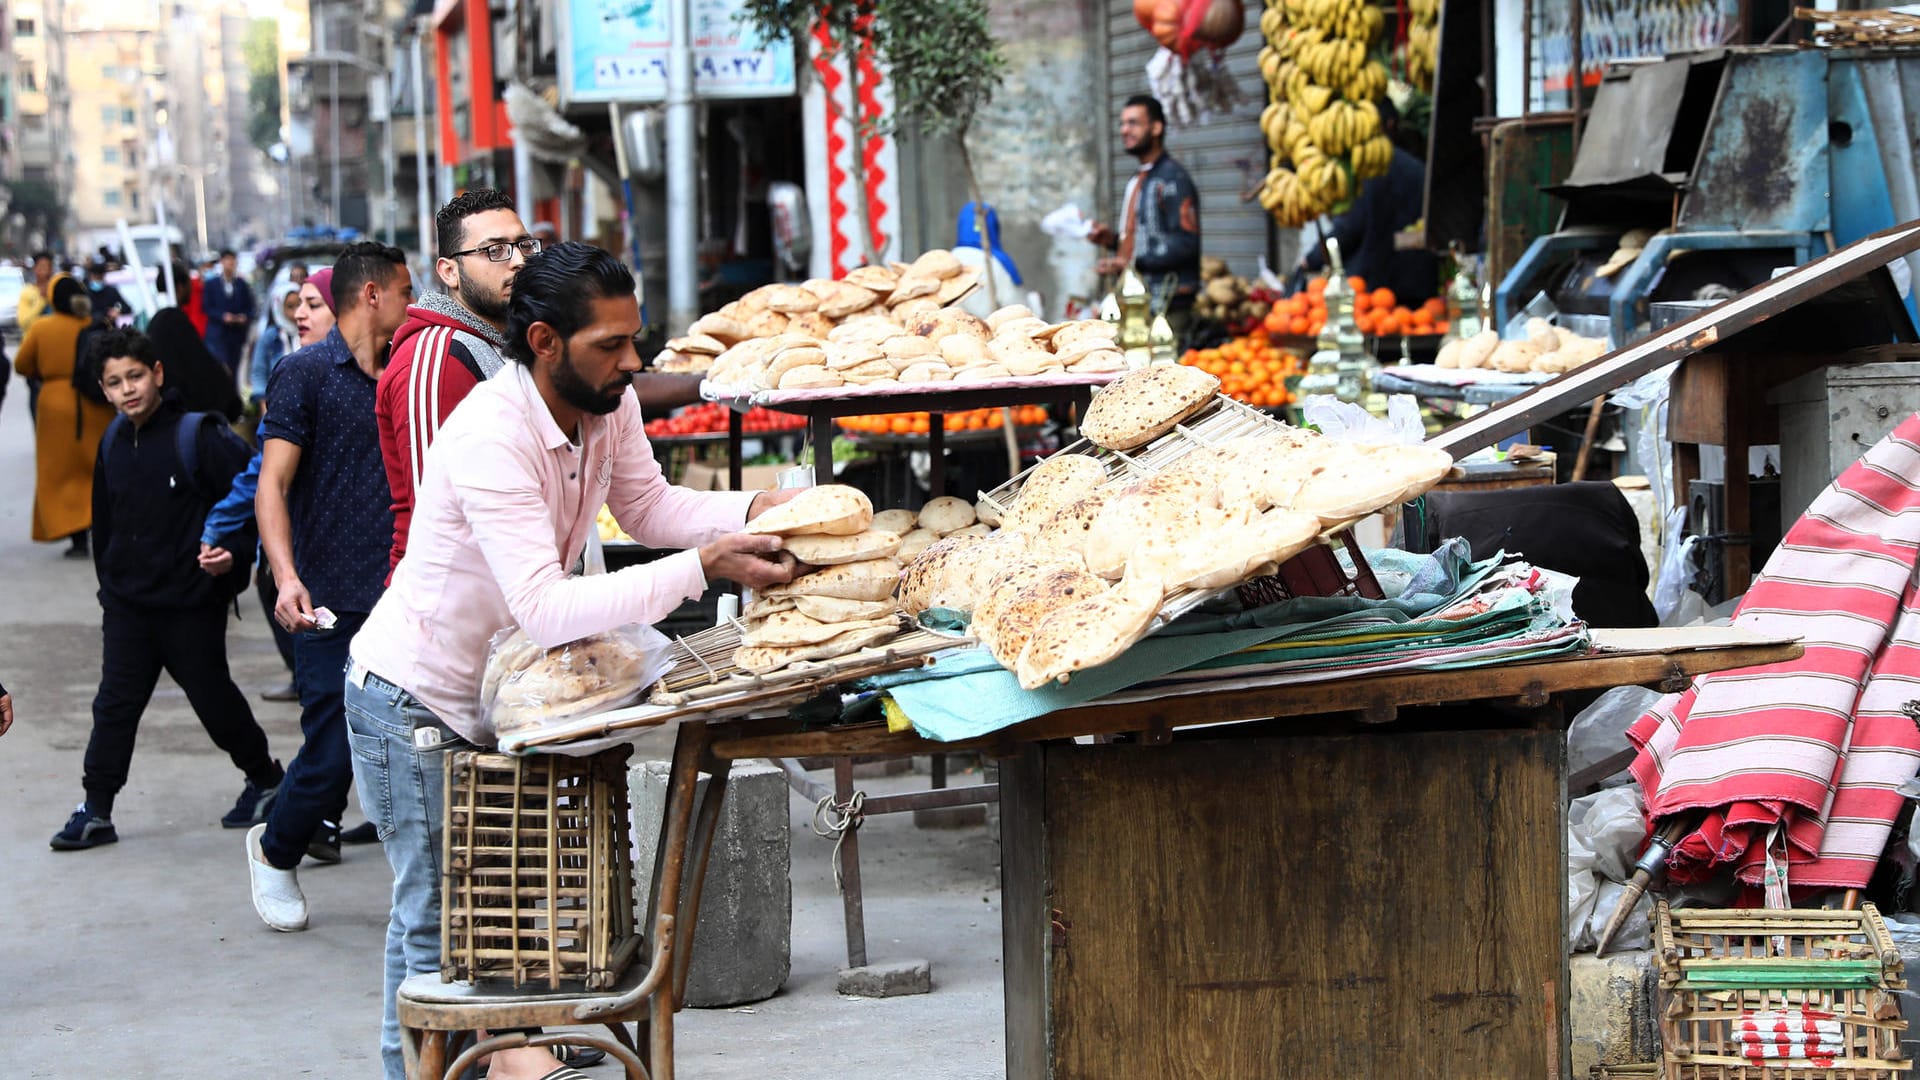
(145, 959)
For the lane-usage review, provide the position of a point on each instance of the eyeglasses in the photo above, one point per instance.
(502, 251)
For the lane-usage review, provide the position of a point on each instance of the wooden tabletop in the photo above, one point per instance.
(1664, 660)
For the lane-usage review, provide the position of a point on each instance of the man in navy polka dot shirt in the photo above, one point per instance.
(325, 523)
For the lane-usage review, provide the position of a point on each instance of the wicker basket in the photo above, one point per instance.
(539, 870)
(1766, 995)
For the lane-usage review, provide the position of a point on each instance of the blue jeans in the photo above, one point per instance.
(402, 791)
(316, 785)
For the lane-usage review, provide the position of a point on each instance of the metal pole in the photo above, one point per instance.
(522, 181)
(427, 239)
(200, 207)
(683, 267)
(166, 247)
(389, 160)
(334, 108)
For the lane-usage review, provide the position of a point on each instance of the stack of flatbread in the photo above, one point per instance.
(883, 325)
(1546, 348)
(1138, 408)
(527, 687)
(1086, 558)
(842, 601)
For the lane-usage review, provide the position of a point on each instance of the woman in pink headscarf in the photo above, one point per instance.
(314, 320)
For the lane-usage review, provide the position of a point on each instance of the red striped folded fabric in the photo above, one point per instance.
(1820, 744)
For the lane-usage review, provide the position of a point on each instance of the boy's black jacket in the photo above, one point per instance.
(147, 515)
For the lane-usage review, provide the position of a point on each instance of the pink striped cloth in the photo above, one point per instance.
(1820, 744)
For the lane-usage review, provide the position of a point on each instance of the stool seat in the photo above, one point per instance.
(427, 1003)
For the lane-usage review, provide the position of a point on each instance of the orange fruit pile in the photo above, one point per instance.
(918, 423)
(1251, 369)
(1376, 312)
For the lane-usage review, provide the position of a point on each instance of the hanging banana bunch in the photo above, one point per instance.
(1321, 123)
(1423, 42)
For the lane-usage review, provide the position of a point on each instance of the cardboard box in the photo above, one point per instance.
(703, 476)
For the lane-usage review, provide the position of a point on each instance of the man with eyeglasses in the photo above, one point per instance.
(449, 344)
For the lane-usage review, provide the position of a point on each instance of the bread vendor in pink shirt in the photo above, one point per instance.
(512, 487)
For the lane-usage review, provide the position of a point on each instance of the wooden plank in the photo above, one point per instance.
(1253, 908)
(1025, 916)
(775, 737)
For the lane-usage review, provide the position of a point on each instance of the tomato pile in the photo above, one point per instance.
(918, 423)
(1251, 369)
(712, 418)
(1376, 312)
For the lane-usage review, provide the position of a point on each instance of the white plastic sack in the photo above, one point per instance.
(1605, 832)
(1343, 421)
(1601, 728)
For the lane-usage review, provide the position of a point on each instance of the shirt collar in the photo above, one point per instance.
(541, 417)
(336, 349)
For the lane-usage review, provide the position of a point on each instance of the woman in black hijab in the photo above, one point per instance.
(204, 384)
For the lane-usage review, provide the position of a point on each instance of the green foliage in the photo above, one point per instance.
(262, 52)
(794, 20)
(33, 198)
(944, 62)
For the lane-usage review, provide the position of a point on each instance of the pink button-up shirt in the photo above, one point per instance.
(507, 505)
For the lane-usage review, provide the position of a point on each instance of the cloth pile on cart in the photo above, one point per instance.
(1805, 758)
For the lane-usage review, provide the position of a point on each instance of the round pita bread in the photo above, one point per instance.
(914, 542)
(830, 509)
(946, 514)
(763, 659)
(724, 327)
(1141, 406)
(1052, 485)
(832, 609)
(874, 579)
(1007, 314)
(937, 263)
(894, 521)
(812, 377)
(833, 550)
(791, 299)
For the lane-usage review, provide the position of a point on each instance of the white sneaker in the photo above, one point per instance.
(276, 893)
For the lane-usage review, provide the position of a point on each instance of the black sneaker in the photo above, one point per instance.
(325, 845)
(363, 833)
(83, 830)
(251, 807)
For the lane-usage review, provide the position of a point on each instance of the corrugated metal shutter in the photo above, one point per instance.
(1225, 156)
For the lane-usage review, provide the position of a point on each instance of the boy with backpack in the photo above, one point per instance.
(163, 599)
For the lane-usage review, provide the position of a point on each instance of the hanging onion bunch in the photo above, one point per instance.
(1320, 122)
(1190, 86)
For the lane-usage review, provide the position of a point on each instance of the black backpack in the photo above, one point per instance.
(245, 541)
(86, 366)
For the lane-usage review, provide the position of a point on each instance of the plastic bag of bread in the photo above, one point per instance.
(527, 687)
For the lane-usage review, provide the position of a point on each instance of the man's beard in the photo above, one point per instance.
(574, 389)
(474, 298)
(1142, 148)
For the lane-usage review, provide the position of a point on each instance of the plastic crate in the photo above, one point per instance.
(1778, 994)
(539, 870)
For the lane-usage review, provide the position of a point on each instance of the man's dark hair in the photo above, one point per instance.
(367, 260)
(451, 222)
(182, 280)
(38, 255)
(1155, 112)
(558, 287)
(297, 264)
(104, 345)
(227, 253)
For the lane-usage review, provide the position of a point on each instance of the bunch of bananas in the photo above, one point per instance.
(1321, 125)
(1423, 42)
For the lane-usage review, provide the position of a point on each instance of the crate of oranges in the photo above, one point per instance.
(1376, 313)
(1251, 369)
(918, 423)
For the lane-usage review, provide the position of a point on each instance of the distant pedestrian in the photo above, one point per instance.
(316, 316)
(278, 337)
(37, 295)
(67, 432)
(163, 593)
(193, 372)
(325, 522)
(108, 304)
(230, 309)
(297, 274)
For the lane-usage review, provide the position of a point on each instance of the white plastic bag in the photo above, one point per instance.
(527, 687)
(1343, 421)
(1605, 832)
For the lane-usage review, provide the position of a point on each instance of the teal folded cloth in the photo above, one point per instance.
(967, 694)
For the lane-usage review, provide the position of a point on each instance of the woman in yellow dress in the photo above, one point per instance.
(68, 428)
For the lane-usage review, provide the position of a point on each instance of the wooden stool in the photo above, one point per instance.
(432, 1012)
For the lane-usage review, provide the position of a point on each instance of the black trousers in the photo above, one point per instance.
(191, 646)
(269, 594)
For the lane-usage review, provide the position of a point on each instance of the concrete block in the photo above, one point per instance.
(1611, 1012)
(742, 948)
(895, 979)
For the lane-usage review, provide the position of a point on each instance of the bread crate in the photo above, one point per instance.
(1778, 994)
(539, 870)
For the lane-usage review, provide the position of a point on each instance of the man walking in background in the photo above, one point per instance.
(324, 521)
(449, 344)
(228, 301)
(1159, 232)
